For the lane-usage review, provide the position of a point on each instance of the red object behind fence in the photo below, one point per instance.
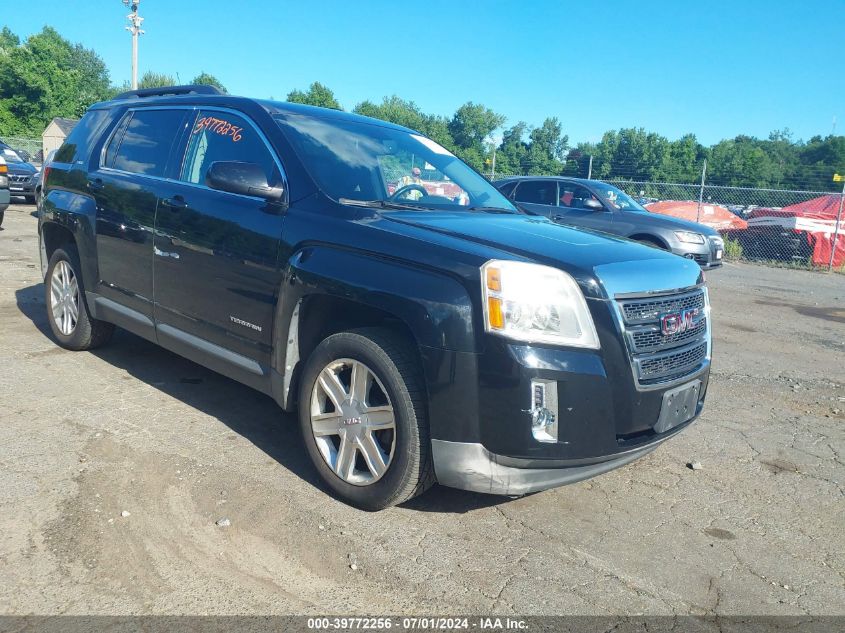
(816, 218)
(712, 215)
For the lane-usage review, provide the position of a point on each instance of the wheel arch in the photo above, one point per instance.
(67, 217)
(652, 238)
(328, 290)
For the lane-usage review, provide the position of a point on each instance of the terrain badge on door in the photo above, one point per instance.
(257, 328)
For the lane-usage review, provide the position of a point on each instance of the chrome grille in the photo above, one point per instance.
(645, 310)
(18, 178)
(672, 364)
(649, 338)
(658, 358)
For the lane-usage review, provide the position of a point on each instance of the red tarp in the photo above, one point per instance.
(712, 215)
(817, 218)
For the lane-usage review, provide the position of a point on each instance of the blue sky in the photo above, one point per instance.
(715, 68)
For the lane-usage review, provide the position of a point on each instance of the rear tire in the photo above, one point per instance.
(2, 213)
(67, 310)
(362, 412)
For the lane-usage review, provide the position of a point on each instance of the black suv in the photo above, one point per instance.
(359, 273)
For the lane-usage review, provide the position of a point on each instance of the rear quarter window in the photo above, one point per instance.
(77, 145)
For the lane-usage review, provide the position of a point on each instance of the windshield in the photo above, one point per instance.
(356, 161)
(617, 198)
(11, 156)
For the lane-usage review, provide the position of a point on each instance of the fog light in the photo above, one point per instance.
(544, 410)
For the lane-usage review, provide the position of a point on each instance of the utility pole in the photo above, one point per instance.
(701, 191)
(134, 28)
(590, 169)
(836, 177)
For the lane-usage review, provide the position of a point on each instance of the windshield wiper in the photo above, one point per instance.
(381, 204)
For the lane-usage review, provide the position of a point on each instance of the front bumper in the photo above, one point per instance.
(21, 190)
(608, 406)
(470, 466)
(5, 198)
(605, 422)
(707, 255)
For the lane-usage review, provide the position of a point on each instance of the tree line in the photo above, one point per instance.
(48, 76)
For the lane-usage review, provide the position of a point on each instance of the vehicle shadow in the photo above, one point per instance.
(245, 411)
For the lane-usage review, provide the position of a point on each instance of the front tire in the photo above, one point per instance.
(363, 418)
(67, 311)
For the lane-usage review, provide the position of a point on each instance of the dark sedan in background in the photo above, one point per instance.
(22, 175)
(596, 205)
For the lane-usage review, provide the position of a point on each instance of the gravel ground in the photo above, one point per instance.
(121, 469)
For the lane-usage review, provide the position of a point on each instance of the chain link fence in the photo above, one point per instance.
(780, 227)
(29, 149)
(776, 227)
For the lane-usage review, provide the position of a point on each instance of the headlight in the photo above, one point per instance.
(534, 303)
(689, 237)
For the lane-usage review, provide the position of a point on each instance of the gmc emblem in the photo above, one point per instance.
(679, 322)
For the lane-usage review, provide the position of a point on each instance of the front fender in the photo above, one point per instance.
(434, 306)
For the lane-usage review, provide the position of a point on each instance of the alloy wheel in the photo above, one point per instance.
(64, 298)
(353, 421)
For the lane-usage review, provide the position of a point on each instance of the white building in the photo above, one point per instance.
(56, 133)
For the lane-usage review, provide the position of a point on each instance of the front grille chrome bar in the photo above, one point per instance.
(658, 359)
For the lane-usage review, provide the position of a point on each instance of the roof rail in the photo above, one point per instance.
(169, 90)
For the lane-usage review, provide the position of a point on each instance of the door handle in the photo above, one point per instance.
(176, 202)
(96, 184)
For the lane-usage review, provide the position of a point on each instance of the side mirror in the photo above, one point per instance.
(593, 205)
(247, 179)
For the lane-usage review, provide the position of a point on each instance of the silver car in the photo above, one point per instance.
(596, 205)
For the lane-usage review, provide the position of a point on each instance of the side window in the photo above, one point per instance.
(573, 196)
(223, 136)
(76, 145)
(537, 192)
(145, 145)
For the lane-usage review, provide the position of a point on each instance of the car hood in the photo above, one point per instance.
(21, 168)
(620, 265)
(668, 222)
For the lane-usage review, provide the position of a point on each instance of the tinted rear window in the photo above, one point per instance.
(78, 143)
(144, 146)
